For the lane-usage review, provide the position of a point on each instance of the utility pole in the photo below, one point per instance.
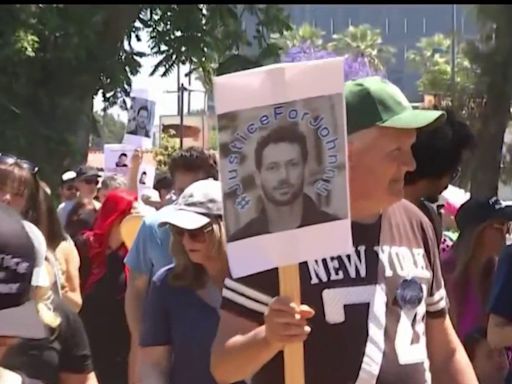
(189, 86)
(181, 93)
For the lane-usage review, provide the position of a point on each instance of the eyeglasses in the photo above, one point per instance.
(196, 235)
(9, 159)
(455, 175)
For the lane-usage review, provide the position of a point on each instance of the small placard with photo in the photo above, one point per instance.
(141, 117)
(117, 158)
(146, 177)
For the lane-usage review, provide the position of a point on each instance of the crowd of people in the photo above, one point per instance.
(80, 306)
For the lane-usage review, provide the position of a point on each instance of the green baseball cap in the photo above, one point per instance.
(374, 101)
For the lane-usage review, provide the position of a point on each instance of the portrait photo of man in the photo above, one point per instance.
(281, 160)
(122, 161)
(142, 126)
(142, 179)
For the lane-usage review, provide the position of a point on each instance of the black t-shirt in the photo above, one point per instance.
(67, 351)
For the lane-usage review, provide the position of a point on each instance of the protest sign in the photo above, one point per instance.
(141, 117)
(117, 158)
(145, 178)
(282, 140)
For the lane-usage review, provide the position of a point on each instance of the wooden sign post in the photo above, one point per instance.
(289, 286)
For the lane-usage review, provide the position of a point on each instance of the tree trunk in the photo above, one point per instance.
(496, 69)
(487, 160)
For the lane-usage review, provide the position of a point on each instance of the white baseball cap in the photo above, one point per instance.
(197, 205)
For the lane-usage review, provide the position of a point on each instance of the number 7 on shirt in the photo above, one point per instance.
(336, 299)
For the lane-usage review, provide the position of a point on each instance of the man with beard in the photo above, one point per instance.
(141, 124)
(438, 152)
(281, 157)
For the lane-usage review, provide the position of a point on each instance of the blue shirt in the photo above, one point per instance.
(501, 294)
(180, 318)
(150, 250)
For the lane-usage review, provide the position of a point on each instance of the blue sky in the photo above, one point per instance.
(156, 86)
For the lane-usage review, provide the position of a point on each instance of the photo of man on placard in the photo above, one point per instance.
(142, 123)
(122, 161)
(281, 157)
(142, 179)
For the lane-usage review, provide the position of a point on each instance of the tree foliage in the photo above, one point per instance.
(432, 59)
(110, 129)
(305, 43)
(212, 37)
(56, 58)
(305, 34)
(168, 145)
(482, 92)
(366, 41)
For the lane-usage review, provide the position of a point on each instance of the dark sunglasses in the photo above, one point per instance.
(9, 159)
(196, 235)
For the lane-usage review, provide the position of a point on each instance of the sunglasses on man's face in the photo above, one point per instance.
(196, 235)
(9, 159)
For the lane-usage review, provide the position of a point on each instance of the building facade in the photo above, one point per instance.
(401, 26)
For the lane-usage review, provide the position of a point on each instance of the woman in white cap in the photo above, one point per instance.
(181, 316)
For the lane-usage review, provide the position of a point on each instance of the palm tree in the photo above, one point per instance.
(306, 33)
(364, 41)
(431, 59)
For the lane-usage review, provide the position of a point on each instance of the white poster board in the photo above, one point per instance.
(117, 158)
(141, 118)
(282, 140)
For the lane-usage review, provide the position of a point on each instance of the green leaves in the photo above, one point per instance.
(364, 40)
(56, 58)
(306, 33)
(431, 59)
(212, 37)
(26, 42)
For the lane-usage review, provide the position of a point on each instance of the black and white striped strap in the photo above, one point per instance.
(246, 297)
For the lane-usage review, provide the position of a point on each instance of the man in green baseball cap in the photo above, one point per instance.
(381, 125)
(378, 314)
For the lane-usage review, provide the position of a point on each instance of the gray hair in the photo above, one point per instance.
(113, 182)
